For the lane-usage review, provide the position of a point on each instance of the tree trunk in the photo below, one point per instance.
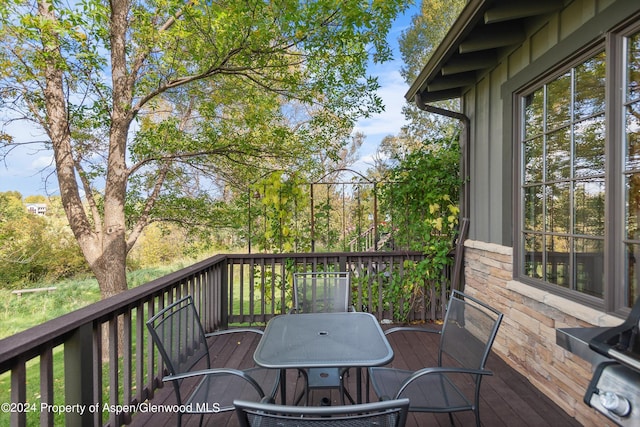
(109, 269)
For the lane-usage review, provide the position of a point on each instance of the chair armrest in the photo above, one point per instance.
(268, 399)
(411, 329)
(217, 371)
(233, 331)
(440, 370)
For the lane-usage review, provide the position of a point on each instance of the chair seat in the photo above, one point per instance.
(222, 389)
(435, 392)
(469, 329)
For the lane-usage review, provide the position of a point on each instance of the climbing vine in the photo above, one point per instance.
(280, 197)
(424, 195)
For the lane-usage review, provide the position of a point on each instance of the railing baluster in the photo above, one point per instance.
(222, 295)
(283, 288)
(19, 392)
(127, 355)
(275, 279)
(46, 385)
(151, 358)
(140, 344)
(96, 366)
(113, 368)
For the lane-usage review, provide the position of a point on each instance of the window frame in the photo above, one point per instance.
(613, 44)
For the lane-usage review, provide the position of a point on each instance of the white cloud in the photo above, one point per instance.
(41, 162)
(391, 91)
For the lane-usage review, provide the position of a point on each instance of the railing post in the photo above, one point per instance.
(224, 294)
(375, 217)
(78, 376)
(342, 261)
(313, 221)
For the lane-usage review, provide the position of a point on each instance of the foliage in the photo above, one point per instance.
(424, 192)
(35, 247)
(277, 201)
(417, 44)
(274, 284)
(155, 108)
(281, 218)
(163, 244)
(41, 248)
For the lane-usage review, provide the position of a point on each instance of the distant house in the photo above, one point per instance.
(550, 95)
(37, 208)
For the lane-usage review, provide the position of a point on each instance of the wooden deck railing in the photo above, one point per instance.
(107, 362)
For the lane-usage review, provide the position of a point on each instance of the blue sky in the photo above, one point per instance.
(30, 171)
(392, 90)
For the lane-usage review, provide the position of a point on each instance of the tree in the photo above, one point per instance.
(208, 86)
(417, 43)
(35, 247)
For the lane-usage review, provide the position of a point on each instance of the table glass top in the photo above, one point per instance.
(323, 340)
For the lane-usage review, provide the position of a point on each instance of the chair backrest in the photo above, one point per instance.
(322, 292)
(177, 332)
(388, 413)
(470, 327)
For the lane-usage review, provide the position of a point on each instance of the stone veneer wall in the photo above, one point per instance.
(527, 337)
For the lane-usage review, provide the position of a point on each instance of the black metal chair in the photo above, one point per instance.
(177, 332)
(391, 413)
(468, 332)
(322, 292)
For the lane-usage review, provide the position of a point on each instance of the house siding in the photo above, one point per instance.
(490, 108)
(527, 337)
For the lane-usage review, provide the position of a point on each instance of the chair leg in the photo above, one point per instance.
(366, 388)
(305, 393)
(344, 392)
(451, 418)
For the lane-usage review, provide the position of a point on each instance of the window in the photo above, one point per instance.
(569, 162)
(631, 167)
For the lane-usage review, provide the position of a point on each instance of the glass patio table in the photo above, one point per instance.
(323, 340)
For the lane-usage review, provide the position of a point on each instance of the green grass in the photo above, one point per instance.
(18, 313)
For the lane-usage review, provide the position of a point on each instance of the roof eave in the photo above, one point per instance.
(484, 30)
(462, 26)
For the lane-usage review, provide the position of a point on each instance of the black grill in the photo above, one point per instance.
(615, 387)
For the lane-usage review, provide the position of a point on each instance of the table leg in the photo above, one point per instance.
(283, 386)
(359, 385)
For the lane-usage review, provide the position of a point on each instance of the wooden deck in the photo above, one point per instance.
(508, 399)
